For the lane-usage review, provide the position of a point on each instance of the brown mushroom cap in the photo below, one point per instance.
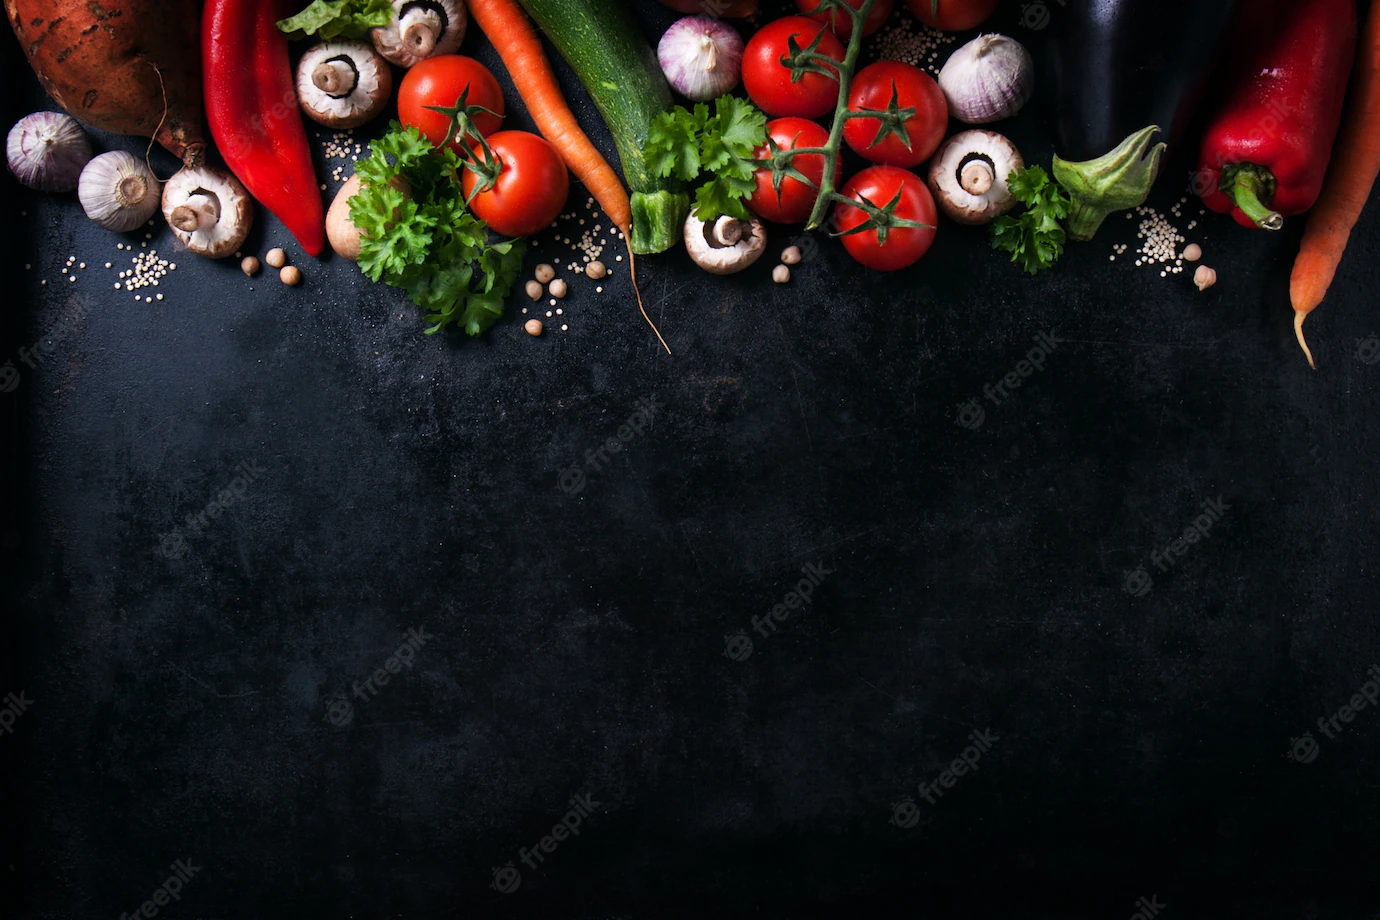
(343, 84)
(968, 176)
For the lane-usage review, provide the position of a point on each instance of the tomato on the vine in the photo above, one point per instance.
(873, 138)
(792, 203)
(953, 15)
(530, 189)
(840, 22)
(439, 82)
(889, 248)
(768, 80)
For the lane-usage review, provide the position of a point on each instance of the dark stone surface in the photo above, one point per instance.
(575, 643)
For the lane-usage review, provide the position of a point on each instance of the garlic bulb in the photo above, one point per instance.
(701, 57)
(47, 150)
(119, 191)
(988, 79)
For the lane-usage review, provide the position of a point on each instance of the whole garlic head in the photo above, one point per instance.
(990, 78)
(118, 191)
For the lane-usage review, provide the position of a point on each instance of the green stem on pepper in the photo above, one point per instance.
(1246, 184)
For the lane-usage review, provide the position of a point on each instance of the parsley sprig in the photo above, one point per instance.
(417, 235)
(688, 144)
(1035, 238)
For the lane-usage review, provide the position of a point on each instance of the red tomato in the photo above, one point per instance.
(904, 245)
(531, 188)
(796, 199)
(840, 22)
(954, 15)
(871, 89)
(439, 81)
(768, 81)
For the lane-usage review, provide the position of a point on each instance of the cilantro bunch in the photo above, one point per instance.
(687, 144)
(331, 19)
(1035, 238)
(417, 235)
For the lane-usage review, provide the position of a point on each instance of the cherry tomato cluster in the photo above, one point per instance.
(514, 181)
(896, 118)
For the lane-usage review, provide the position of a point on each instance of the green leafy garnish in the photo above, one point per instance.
(1035, 239)
(417, 235)
(686, 144)
(330, 19)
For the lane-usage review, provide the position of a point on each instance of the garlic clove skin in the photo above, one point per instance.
(701, 57)
(118, 191)
(989, 79)
(47, 151)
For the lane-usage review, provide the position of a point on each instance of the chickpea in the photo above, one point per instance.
(596, 270)
(791, 255)
(290, 275)
(781, 274)
(1192, 252)
(250, 266)
(1204, 277)
(533, 327)
(534, 290)
(559, 289)
(276, 258)
(545, 273)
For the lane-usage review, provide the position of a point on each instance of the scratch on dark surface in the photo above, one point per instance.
(814, 549)
(911, 707)
(201, 683)
(800, 401)
(689, 546)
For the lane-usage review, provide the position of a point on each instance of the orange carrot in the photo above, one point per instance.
(516, 41)
(1350, 178)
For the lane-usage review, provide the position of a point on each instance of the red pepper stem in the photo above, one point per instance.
(1246, 185)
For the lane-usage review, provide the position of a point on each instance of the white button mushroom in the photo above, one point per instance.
(727, 245)
(343, 84)
(208, 209)
(421, 29)
(968, 176)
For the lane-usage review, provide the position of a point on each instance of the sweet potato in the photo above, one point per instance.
(125, 66)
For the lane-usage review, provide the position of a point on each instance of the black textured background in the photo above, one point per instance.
(181, 699)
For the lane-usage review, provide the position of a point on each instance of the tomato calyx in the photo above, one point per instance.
(461, 117)
(892, 119)
(805, 60)
(883, 219)
(782, 165)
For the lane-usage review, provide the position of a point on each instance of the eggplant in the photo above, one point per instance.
(1120, 72)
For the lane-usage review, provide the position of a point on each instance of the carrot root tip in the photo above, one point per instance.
(1298, 334)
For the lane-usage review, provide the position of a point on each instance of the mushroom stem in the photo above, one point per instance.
(976, 177)
(420, 28)
(335, 77)
(200, 211)
(727, 231)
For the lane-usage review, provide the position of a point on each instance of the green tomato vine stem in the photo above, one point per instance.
(841, 115)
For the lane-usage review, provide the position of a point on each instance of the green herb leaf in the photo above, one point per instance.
(693, 144)
(330, 19)
(424, 241)
(1035, 238)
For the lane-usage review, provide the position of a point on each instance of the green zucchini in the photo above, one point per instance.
(605, 48)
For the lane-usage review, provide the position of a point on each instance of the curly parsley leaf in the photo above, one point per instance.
(331, 19)
(689, 143)
(417, 235)
(1035, 238)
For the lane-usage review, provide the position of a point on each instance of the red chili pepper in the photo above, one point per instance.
(251, 106)
(1266, 152)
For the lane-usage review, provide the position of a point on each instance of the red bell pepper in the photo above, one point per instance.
(251, 107)
(1266, 152)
